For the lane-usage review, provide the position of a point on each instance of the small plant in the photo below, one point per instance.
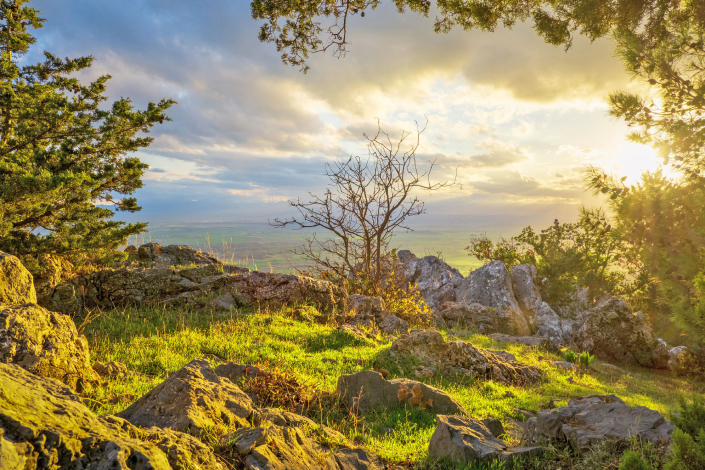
(632, 460)
(585, 359)
(571, 357)
(691, 417)
(686, 453)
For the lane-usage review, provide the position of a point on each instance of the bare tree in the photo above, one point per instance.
(366, 201)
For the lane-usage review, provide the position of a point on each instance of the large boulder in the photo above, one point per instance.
(16, 283)
(468, 441)
(435, 279)
(541, 317)
(459, 357)
(44, 343)
(289, 447)
(474, 316)
(591, 419)
(491, 286)
(613, 333)
(190, 400)
(44, 425)
(367, 391)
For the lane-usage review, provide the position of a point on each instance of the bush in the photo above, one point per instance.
(686, 453)
(691, 417)
(632, 460)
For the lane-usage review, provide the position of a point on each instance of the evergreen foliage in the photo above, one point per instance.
(62, 151)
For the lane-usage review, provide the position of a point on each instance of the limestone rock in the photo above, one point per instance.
(110, 369)
(473, 316)
(371, 314)
(591, 419)
(149, 251)
(676, 357)
(235, 372)
(458, 357)
(16, 283)
(367, 391)
(191, 399)
(491, 286)
(612, 332)
(44, 343)
(290, 448)
(468, 441)
(181, 255)
(435, 279)
(44, 425)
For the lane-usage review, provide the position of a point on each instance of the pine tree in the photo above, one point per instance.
(62, 151)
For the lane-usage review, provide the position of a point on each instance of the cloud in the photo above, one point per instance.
(517, 186)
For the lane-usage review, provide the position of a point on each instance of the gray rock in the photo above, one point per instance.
(474, 316)
(190, 400)
(468, 441)
(491, 286)
(44, 343)
(458, 357)
(612, 332)
(367, 391)
(235, 372)
(676, 356)
(565, 365)
(435, 279)
(290, 448)
(44, 425)
(591, 419)
(110, 369)
(371, 315)
(16, 283)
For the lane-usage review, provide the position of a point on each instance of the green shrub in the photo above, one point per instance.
(585, 359)
(686, 453)
(570, 356)
(691, 418)
(632, 460)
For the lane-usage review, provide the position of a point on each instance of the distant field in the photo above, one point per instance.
(262, 247)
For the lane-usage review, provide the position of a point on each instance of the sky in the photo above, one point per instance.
(517, 119)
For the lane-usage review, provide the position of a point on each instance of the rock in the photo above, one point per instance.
(16, 283)
(468, 441)
(565, 365)
(235, 372)
(228, 302)
(110, 369)
(367, 391)
(149, 251)
(163, 283)
(591, 419)
(533, 341)
(182, 450)
(660, 356)
(371, 315)
(424, 372)
(612, 332)
(458, 357)
(491, 286)
(474, 316)
(131, 250)
(435, 279)
(52, 270)
(190, 400)
(267, 416)
(494, 425)
(44, 343)
(290, 448)
(44, 425)
(676, 357)
(503, 354)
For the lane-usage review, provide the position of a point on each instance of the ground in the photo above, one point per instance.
(308, 358)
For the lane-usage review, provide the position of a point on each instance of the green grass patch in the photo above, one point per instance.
(155, 343)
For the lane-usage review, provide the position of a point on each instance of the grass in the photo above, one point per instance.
(154, 343)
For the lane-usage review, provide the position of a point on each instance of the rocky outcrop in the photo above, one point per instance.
(591, 419)
(44, 343)
(16, 283)
(167, 283)
(435, 279)
(612, 332)
(190, 400)
(533, 341)
(491, 286)
(468, 441)
(371, 315)
(541, 317)
(367, 391)
(475, 317)
(459, 357)
(292, 448)
(44, 425)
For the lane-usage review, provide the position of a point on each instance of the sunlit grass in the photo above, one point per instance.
(155, 343)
